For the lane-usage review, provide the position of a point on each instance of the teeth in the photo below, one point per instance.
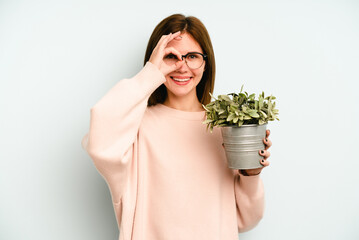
(181, 80)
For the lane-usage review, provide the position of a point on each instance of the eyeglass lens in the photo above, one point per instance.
(193, 60)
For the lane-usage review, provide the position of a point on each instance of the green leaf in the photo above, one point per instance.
(263, 113)
(231, 117)
(256, 105)
(205, 108)
(212, 96)
(224, 97)
(261, 122)
(244, 109)
(207, 121)
(233, 108)
(253, 113)
(221, 111)
(260, 102)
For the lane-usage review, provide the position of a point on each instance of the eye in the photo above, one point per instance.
(192, 56)
(171, 56)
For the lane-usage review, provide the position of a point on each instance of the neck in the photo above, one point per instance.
(187, 103)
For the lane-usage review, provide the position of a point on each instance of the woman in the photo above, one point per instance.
(167, 175)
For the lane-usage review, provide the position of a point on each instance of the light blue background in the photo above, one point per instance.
(58, 58)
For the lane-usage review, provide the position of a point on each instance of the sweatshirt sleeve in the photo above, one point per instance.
(114, 124)
(249, 194)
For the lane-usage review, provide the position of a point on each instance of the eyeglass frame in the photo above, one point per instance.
(204, 56)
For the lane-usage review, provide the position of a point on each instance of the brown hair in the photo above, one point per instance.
(194, 27)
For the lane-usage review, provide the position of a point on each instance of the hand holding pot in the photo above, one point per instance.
(264, 153)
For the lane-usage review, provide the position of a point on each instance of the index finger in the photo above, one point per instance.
(267, 133)
(172, 36)
(176, 34)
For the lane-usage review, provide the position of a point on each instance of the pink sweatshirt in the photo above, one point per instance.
(167, 175)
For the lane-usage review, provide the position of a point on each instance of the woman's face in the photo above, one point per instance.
(183, 81)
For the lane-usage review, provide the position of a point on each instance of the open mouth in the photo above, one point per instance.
(181, 80)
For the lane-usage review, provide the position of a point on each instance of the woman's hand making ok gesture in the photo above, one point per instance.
(161, 50)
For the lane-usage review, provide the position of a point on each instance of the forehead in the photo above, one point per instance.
(185, 44)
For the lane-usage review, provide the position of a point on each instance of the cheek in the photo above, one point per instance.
(199, 74)
(166, 83)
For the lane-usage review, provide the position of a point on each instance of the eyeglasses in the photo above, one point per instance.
(193, 60)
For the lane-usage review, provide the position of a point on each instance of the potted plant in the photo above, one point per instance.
(243, 120)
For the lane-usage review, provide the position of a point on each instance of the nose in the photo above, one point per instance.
(183, 67)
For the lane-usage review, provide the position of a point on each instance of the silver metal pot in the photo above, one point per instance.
(242, 145)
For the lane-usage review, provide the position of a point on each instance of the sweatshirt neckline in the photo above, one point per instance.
(182, 114)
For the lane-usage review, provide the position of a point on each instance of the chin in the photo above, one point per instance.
(181, 91)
